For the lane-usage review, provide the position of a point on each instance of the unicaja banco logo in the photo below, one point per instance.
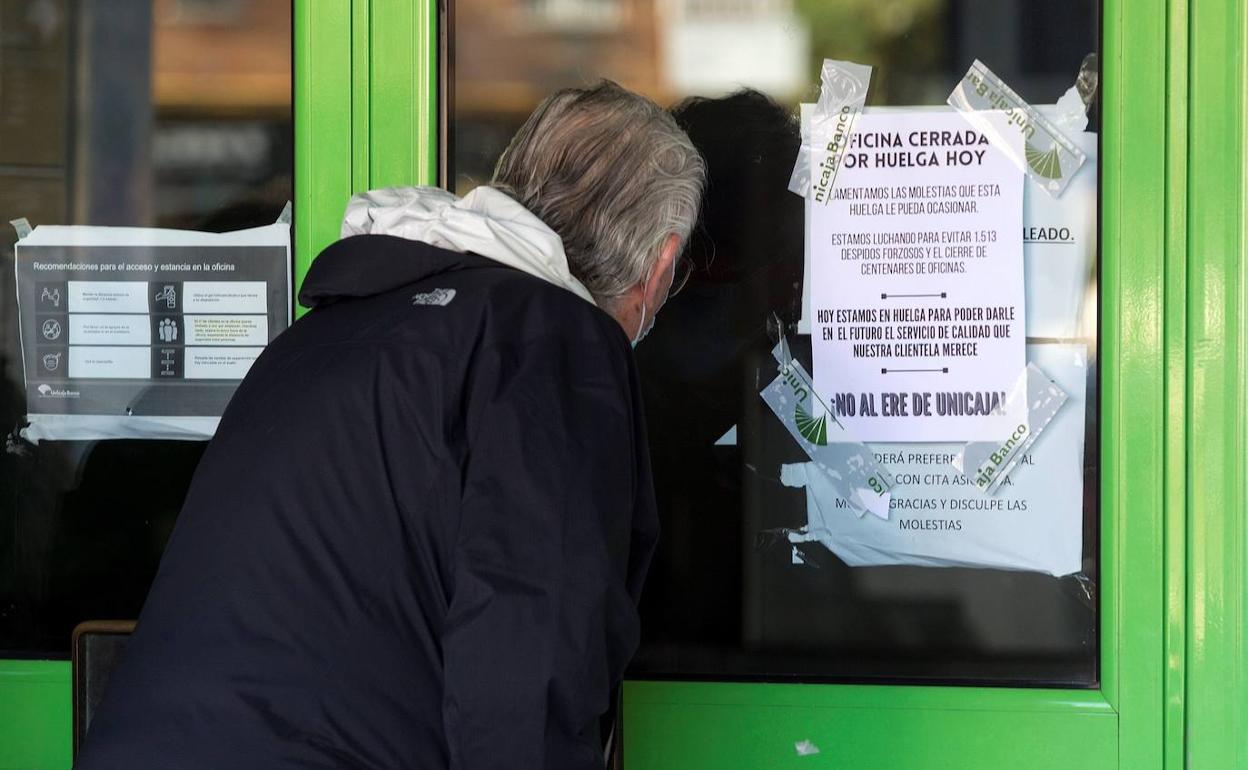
(1046, 164)
(47, 391)
(813, 429)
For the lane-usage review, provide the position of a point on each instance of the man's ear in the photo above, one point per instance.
(660, 281)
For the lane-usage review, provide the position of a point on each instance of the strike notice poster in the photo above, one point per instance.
(134, 333)
(917, 296)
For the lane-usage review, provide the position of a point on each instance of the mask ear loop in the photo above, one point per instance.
(641, 323)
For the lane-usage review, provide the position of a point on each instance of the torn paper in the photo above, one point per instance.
(1072, 107)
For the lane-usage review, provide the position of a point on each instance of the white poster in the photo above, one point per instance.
(917, 299)
(938, 518)
(1059, 248)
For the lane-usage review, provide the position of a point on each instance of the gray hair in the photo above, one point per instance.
(612, 174)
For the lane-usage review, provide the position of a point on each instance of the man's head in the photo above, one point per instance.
(620, 182)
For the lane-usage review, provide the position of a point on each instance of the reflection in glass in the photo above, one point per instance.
(147, 113)
(724, 598)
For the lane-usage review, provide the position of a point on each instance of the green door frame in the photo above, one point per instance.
(1212, 620)
(366, 108)
(1173, 533)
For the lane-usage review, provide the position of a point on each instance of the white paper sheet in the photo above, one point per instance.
(1059, 244)
(939, 519)
(917, 281)
(1059, 248)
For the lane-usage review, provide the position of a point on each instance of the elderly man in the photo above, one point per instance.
(419, 535)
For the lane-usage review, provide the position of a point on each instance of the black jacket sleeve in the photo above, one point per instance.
(555, 531)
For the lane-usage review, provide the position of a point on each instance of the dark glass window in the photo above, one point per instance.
(729, 596)
(142, 113)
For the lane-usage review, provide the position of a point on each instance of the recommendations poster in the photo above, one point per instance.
(917, 281)
(139, 333)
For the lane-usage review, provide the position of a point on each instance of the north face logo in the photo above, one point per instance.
(438, 297)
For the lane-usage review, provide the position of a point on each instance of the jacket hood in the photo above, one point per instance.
(344, 270)
(485, 222)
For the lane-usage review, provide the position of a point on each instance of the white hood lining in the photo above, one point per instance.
(486, 222)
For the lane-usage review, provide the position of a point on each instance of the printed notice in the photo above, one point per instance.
(225, 297)
(219, 363)
(109, 363)
(938, 518)
(137, 333)
(917, 297)
(227, 329)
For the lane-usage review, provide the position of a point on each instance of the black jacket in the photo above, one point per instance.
(416, 541)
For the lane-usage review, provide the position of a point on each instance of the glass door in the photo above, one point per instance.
(977, 622)
(762, 575)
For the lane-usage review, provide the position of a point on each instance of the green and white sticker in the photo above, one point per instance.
(857, 477)
(1049, 157)
(987, 463)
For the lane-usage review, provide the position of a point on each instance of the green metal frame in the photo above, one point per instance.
(366, 108)
(1174, 537)
(36, 723)
(1215, 617)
